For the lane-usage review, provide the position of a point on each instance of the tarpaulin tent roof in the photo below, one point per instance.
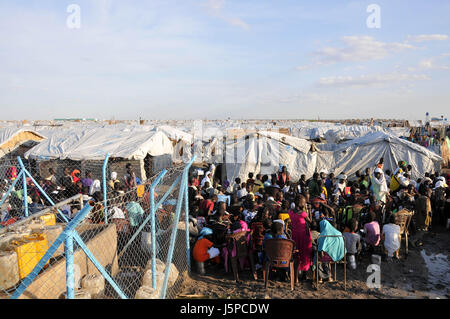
(360, 153)
(8, 133)
(264, 152)
(95, 143)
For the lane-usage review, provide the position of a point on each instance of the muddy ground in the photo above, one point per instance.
(408, 277)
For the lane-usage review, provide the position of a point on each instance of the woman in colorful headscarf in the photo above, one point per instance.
(331, 247)
(76, 176)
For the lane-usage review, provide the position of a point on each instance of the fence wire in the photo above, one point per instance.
(121, 243)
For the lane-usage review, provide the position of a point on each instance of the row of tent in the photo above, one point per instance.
(255, 150)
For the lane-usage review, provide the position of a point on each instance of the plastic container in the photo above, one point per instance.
(161, 268)
(29, 252)
(52, 233)
(9, 270)
(94, 284)
(352, 261)
(49, 219)
(147, 279)
(147, 292)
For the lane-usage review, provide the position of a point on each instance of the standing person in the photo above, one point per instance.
(380, 189)
(130, 177)
(283, 177)
(313, 185)
(302, 183)
(301, 235)
(87, 182)
(250, 179)
(259, 185)
(329, 182)
(423, 213)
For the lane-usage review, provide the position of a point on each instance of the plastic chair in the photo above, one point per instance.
(280, 254)
(327, 259)
(403, 219)
(238, 242)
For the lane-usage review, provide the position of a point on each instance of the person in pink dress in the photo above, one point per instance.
(301, 236)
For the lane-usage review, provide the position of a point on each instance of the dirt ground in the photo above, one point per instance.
(408, 277)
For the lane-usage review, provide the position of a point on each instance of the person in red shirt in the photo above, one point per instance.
(208, 205)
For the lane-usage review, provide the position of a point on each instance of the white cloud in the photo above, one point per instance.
(427, 37)
(370, 80)
(360, 48)
(430, 64)
(216, 8)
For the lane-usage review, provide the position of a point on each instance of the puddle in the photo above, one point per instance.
(438, 274)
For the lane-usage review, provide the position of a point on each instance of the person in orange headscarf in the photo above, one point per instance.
(76, 175)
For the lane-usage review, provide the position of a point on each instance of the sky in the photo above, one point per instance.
(219, 59)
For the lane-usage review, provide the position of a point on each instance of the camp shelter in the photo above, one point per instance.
(265, 152)
(366, 151)
(147, 151)
(16, 141)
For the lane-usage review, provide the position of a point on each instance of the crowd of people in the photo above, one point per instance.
(428, 136)
(64, 186)
(362, 211)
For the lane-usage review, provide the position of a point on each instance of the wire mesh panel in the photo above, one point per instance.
(111, 247)
(130, 212)
(24, 243)
(13, 207)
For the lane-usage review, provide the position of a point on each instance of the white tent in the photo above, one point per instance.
(265, 153)
(95, 143)
(360, 153)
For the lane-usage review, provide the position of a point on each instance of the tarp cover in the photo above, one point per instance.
(95, 143)
(8, 133)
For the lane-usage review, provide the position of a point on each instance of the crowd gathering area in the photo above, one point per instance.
(270, 227)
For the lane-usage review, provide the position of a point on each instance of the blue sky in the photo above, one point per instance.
(196, 59)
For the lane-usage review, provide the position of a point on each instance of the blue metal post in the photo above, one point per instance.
(186, 213)
(61, 238)
(25, 191)
(70, 280)
(11, 188)
(98, 265)
(153, 224)
(146, 220)
(182, 192)
(44, 193)
(105, 199)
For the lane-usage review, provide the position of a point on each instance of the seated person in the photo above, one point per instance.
(352, 242)
(391, 238)
(204, 249)
(372, 231)
(330, 248)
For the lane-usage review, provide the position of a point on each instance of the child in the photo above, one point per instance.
(352, 242)
(391, 238)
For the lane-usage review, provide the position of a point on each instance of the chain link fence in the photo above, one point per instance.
(117, 236)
